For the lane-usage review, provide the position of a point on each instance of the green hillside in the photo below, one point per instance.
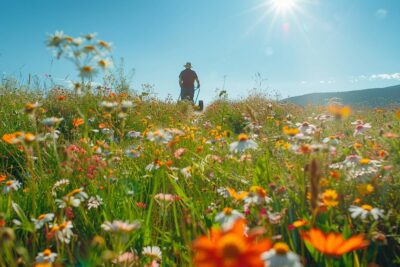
(377, 97)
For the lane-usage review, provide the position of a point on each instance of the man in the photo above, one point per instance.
(186, 82)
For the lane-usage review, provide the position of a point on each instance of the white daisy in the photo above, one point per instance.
(46, 256)
(228, 217)
(243, 144)
(94, 202)
(63, 231)
(42, 219)
(11, 185)
(364, 211)
(153, 252)
(281, 256)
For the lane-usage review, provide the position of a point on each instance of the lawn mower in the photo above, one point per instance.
(198, 107)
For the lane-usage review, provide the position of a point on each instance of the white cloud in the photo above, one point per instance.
(381, 13)
(382, 76)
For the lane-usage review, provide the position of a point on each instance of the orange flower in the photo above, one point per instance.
(333, 244)
(339, 112)
(290, 131)
(77, 122)
(230, 248)
(2, 177)
(61, 98)
(238, 196)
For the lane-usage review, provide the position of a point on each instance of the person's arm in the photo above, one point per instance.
(197, 80)
(180, 80)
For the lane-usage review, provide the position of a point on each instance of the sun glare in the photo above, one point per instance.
(283, 6)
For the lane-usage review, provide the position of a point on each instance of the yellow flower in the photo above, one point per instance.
(290, 131)
(329, 198)
(365, 189)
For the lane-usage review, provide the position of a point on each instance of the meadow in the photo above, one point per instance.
(100, 175)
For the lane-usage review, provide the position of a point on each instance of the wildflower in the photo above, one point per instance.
(3, 177)
(118, 226)
(290, 131)
(58, 184)
(126, 105)
(297, 224)
(133, 152)
(230, 248)
(237, 195)
(62, 232)
(187, 172)
(329, 198)
(306, 128)
(47, 256)
(11, 185)
(361, 129)
(242, 144)
(108, 106)
(160, 136)
(133, 134)
(104, 44)
(280, 255)
(77, 122)
(72, 199)
(87, 71)
(31, 107)
(55, 39)
(126, 259)
(50, 122)
(331, 140)
(364, 211)
(42, 219)
(95, 202)
(166, 197)
(179, 152)
(90, 36)
(153, 252)
(339, 112)
(333, 244)
(13, 138)
(228, 217)
(365, 189)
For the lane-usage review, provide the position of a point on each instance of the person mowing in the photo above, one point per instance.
(186, 82)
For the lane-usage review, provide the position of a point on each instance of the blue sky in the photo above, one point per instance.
(316, 45)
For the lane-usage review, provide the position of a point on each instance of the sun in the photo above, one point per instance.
(283, 6)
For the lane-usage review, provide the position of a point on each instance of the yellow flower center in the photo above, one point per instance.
(243, 137)
(228, 211)
(8, 183)
(42, 216)
(87, 69)
(89, 48)
(47, 252)
(366, 207)
(364, 161)
(281, 248)
(63, 226)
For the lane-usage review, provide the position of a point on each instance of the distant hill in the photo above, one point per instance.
(377, 97)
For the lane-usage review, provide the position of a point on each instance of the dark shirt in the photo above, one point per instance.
(188, 77)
